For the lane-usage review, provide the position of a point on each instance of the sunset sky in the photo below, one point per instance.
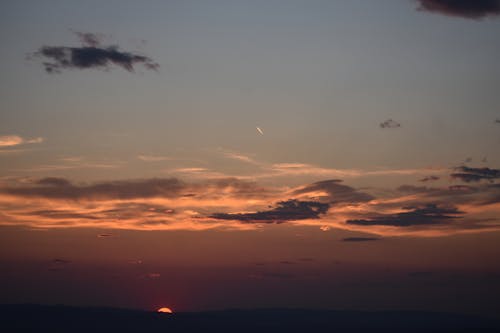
(212, 154)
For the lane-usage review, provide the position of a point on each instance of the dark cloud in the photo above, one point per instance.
(336, 192)
(58, 188)
(285, 211)
(483, 194)
(429, 179)
(389, 123)
(90, 55)
(469, 175)
(429, 214)
(472, 9)
(497, 121)
(89, 39)
(104, 235)
(53, 181)
(360, 239)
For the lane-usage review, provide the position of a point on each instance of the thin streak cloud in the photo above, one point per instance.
(16, 140)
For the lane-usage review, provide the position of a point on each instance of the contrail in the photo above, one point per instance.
(259, 130)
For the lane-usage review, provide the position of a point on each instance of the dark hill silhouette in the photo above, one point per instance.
(38, 318)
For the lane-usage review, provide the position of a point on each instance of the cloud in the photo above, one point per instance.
(236, 204)
(497, 121)
(427, 215)
(89, 39)
(58, 188)
(90, 55)
(104, 235)
(53, 181)
(468, 174)
(429, 179)
(16, 140)
(289, 210)
(471, 9)
(390, 124)
(333, 192)
(360, 239)
(153, 158)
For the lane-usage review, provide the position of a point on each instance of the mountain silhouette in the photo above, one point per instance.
(40, 318)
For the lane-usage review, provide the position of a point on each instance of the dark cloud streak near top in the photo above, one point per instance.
(90, 55)
(284, 211)
(471, 9)
(429, 214)
(468, 174)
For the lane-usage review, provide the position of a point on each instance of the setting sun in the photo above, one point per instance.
(165, 310)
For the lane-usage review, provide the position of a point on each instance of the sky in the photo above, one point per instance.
(220, 154)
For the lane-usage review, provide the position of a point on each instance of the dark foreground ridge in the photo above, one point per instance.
(38, 318)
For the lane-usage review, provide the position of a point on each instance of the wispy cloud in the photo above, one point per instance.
(471, 9)
(426, 215)
(16, 140)
(153, 158)
(237, 204)
(240, 157)
(429, 179)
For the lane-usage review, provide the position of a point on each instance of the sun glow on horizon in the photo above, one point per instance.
(165, 310)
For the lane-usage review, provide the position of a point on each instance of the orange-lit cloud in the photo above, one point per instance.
(16, 140)
(237, 204)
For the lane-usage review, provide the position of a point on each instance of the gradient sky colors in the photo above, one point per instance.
(214, 154)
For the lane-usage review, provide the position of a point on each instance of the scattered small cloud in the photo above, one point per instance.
(16, 140)
(389, 123)
(57, 265)
(468, 174)
(90, 55)
(429, 179)
(470, 9)
(105, 235)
